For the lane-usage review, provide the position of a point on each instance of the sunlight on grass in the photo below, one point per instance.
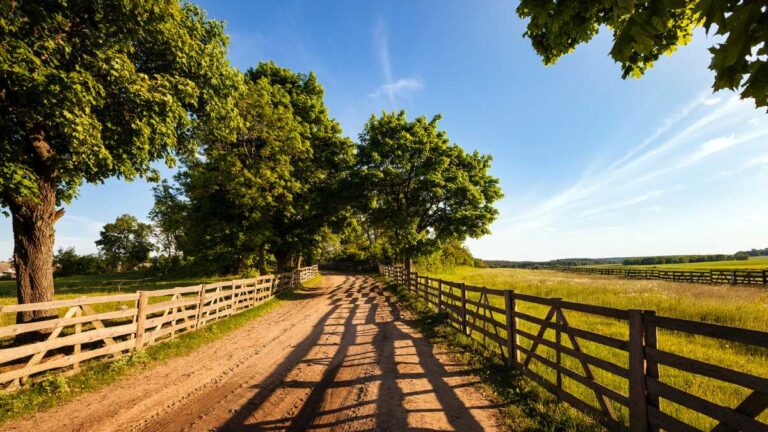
(726, 305)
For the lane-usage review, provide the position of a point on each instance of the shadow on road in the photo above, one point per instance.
(378, 374)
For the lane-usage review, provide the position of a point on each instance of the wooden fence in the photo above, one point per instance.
(111, 326)
(735, 277)
(623, 380)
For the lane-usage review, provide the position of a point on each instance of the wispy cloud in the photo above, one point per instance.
(396, 88)
(392, 88)
(701, 129)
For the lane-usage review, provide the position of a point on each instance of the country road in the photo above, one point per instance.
(339, 357)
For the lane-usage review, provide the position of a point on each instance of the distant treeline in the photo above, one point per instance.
(652, 260)
(557, 262)
(683, 259)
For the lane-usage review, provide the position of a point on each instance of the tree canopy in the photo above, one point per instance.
(125, 243)
(322, 170)
(237, 189)
(643, 31)
(92, 90)
(421, 189)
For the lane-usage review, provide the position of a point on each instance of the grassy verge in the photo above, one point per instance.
(728, 305)
(56, 388)
(526, 406)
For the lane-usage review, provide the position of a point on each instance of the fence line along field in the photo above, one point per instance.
(602, 346)
(93, 327)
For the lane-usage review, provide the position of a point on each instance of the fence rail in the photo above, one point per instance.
(734, 277)
(111, 326)
(621, 373)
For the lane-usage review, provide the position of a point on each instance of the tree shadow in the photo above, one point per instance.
(367, 313)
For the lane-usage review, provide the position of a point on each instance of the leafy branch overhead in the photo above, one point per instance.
(644, 30)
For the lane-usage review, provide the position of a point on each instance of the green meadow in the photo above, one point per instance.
(101, 285)
(727, 305)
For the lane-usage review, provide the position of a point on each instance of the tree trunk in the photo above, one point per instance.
(240, 265)
(298, 262)
(283, 261)
(33, 236)
(262, 260)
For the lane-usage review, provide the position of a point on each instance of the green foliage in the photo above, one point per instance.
(168, 217)
(125, 243)
(68, 263)
(322, 169)
(684, 259)
(91, 90)
(277, 185)
(450, 254)
(421, 190)
(239, 187)
(643, 31)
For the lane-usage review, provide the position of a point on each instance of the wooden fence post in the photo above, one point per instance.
(651, 367)
(765, 277)
(200, 305)
(509, 307)
(464, 307)
(559, 343)
(233, 301)
(638, 404)
(439, 295)
(141, 319)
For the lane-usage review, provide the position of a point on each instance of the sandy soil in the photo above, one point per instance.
(340, 357)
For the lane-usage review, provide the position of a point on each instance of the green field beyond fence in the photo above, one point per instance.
(607, 353)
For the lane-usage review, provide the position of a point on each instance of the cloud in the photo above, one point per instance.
(689, 136)
(396, 88)
(711, 101)
(392, 88)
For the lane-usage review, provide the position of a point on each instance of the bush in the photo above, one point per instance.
(68, 263)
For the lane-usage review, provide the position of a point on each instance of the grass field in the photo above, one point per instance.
(728, 305)
(76, 286)
(753, 263)
(79, 286)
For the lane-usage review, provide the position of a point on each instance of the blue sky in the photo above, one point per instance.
(591, 165)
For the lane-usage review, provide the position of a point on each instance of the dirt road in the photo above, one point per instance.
(339, 358)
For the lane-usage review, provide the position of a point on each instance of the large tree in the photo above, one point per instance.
(125, 243)
(644, 30)
(96, 89)
(168, 216)
(423, 190)
(240, 187)
(322, 170)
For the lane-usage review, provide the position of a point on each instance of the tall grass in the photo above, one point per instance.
(727, 305)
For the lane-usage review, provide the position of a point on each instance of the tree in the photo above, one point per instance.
(240, 187)
(168, 216)
(91, 90)
(422, 190)
(125, 243)
(322, 170)
(644, 30)
(68, 263)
